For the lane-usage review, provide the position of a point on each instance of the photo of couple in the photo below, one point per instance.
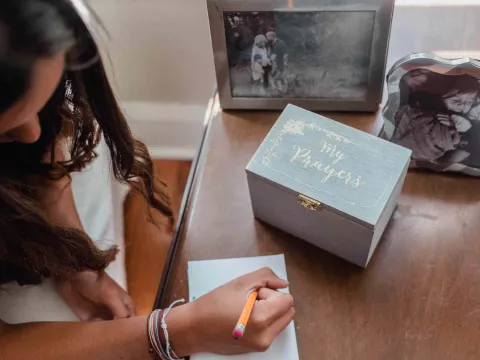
(318, 54)
(269, 61)
(439, 119)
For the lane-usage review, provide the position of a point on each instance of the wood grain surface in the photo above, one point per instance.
(419, 298)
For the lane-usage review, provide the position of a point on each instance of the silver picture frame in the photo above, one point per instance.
(366, 98)
(425, 73)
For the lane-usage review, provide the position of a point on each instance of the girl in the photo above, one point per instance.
(434, 115)
(55, 106)
(260, 56)
(257, 74)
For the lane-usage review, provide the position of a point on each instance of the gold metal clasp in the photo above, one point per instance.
(309, 203)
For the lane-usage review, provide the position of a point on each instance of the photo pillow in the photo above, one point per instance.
(433, 109)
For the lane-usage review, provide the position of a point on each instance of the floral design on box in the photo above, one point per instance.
(298, 127)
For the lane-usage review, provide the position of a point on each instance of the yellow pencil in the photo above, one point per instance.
(247, 311)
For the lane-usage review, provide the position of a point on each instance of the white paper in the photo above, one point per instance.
(205, 276)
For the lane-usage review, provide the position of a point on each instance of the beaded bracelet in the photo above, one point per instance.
(156, 350)
(168, 347)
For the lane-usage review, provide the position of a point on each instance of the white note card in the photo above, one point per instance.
(205, 276)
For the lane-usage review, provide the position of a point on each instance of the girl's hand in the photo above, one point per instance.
(96, 296)
(206, 324)
(444, 119)
(462, 124)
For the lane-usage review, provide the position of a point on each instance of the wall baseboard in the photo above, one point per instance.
(172, 153)
(170, 130)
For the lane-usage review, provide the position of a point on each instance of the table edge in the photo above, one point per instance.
(195, 173)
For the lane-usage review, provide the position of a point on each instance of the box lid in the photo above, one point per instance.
(349, 171)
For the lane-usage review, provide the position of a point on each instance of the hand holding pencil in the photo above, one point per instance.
(254, 304)
(247, 311)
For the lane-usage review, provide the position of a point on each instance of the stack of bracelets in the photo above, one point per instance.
(156, 320)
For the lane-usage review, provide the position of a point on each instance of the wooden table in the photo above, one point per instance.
(419, 298)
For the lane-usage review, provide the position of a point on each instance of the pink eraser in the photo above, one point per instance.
(238, 332)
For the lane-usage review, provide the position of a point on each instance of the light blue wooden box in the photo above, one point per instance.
(327, 183)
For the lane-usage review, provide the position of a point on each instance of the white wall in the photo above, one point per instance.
(162, 65)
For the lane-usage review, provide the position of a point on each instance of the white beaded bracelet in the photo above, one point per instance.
(168, 348)
(154, 336)
(155, 348)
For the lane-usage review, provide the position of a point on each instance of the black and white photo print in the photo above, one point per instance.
(299, 54)
(437, 116)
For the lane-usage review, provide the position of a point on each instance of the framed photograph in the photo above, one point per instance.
(325, 55)
(433, 108)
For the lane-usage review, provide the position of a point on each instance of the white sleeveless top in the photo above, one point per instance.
(99, 200)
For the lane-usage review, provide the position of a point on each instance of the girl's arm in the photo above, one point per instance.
(90, 295)
(189, 326)
(109, 340)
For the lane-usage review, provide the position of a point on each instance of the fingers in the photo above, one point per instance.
(265, 278)
(273, 304)
(118, 307)
(80, 309)
(132, 311)
(271, 316)
(271, 295)
(278, 326)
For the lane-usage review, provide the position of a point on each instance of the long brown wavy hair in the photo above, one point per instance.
(84, 109)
